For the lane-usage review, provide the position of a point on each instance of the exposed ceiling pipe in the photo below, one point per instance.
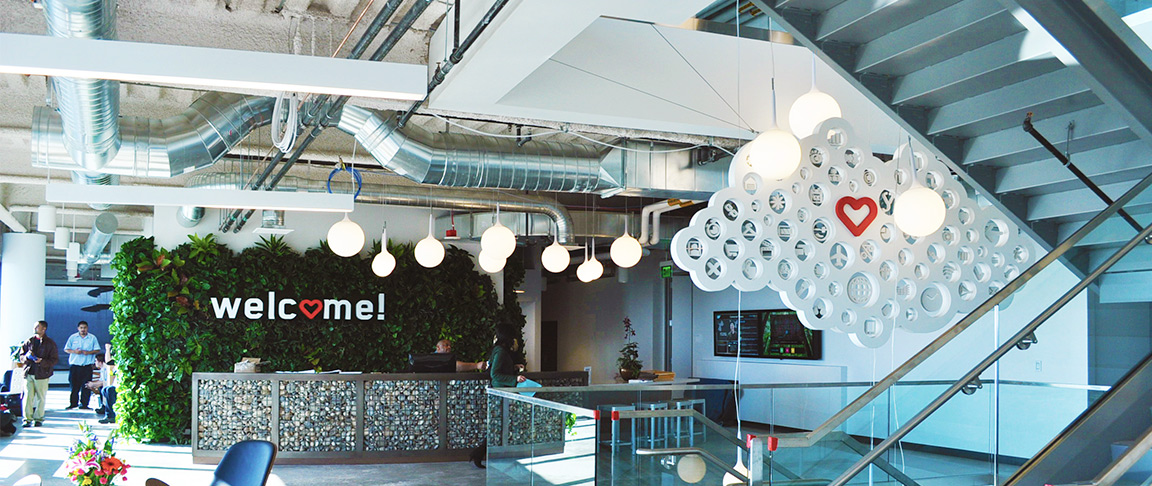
(674, 204)
(655, 210)
(90, 107)
(418, 196)
(102, 231)
(195, 139)
(321, 113)
(450, 159)
(456, 56)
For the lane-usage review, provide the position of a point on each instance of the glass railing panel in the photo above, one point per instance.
(1106, 246)
(536, 441)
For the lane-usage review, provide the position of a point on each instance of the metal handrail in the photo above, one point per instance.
(994, 357)
(771, 386)
(807, 439)
(1122, 464)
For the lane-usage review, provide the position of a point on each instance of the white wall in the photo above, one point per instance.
(589, 319)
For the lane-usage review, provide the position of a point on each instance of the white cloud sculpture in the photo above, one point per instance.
(826, 240)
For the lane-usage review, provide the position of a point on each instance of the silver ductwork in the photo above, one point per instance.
(95, 179)
(90, 107)
(189, 216)
(449, 159)
(102, 231)
(192, 140)
(420, 196)
(446, 159)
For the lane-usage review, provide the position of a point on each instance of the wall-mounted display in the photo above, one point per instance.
(765, 334)
(825, 238)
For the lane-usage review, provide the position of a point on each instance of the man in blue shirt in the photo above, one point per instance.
(82, 349)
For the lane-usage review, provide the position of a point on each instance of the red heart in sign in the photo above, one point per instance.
(316, 305)
(856, 203)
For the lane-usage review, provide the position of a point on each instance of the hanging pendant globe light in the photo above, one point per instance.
(498, 240)
(383, 263)
(491, 263)
(774, 154)
(626, 251)
(919, 211)
(810, 110)
(346, 238)
(555, 257)
(429, 251)
(591, 269)
(691, 468)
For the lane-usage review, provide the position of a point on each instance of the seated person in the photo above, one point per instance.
(105, 387)
(445, 346)
(98, 383)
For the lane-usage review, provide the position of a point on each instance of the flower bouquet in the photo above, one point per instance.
(90, 464)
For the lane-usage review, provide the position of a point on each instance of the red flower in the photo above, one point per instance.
(111, 465)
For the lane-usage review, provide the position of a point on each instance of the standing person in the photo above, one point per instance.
(82, 349)
(504, 372)
(39, 356)
(444, 346)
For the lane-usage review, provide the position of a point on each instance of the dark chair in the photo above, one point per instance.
(10, 398)
(246, 463)
(719, 404)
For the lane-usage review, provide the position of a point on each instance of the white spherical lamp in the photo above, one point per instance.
(774, 154)
(383, 263)
(810, 110)
(590, 270)
(345, 238)
(429, 252)
(919, 211)
(555, 257)
(491, 263)
(691, 468)
(625, 251)
(498, 240)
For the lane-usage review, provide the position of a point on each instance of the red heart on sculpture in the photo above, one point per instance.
(856, 204)
(314, 304)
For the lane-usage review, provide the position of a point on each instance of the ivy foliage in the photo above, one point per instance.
(164, 328)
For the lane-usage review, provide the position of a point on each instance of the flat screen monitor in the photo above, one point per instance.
(432, 363)
(775, 333)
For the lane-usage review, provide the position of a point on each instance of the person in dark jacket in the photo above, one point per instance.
(504, 372)
(39, 356)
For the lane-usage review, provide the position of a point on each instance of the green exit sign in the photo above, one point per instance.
(666, 271)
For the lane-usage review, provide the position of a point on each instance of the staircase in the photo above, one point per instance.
(961, 75)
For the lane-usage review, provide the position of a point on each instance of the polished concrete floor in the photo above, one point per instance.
(42, 450)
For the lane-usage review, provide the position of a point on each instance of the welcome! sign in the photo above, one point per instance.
(288, 308)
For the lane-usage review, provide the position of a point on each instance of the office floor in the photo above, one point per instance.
(42, 450)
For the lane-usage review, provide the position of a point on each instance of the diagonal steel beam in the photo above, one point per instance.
(1095, 127)
(1115, 62)
(949, 23)
(1012, 102)
(1105, 165)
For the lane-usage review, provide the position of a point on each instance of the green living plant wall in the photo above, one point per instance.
(165, 329)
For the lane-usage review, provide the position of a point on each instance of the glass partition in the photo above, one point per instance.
(977, 405)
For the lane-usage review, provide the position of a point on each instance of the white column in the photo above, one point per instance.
(21, 286)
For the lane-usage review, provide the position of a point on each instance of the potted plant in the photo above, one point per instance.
(15, 352)
(629, 360)
(92, 464)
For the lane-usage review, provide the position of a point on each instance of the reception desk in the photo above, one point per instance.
(356, 418)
